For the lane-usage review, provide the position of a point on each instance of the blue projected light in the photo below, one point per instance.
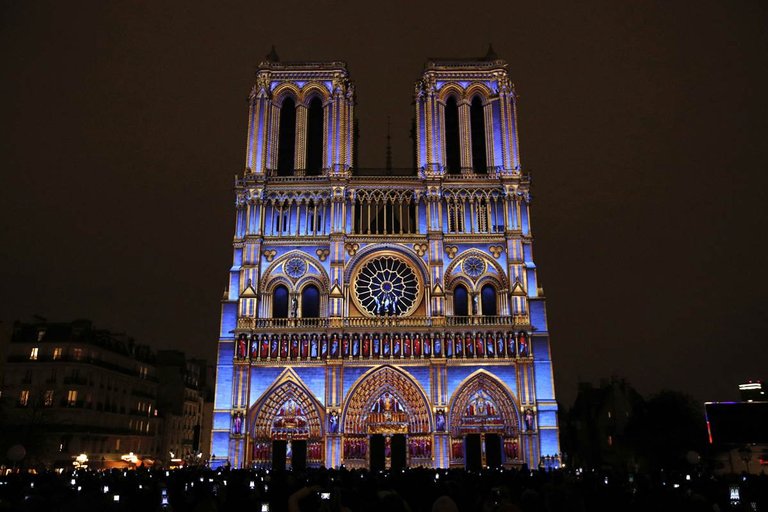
(330, 352)
(544, 388)
(549, 443)
(221, 420)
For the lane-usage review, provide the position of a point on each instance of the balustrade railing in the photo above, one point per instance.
(245, 323)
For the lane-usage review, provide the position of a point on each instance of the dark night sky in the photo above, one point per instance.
(645, 125)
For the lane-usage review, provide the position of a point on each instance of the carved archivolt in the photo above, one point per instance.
(464, 93)
(386, 381)
(407, 253)
(503, 414)
(286, 407)
(301, 95)
(493, 270)
(275, 271)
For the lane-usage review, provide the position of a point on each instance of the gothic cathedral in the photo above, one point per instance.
(375, 320)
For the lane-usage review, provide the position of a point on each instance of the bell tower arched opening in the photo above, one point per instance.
(477, 125)
(286, 145)
(452, 138)
(315, 137)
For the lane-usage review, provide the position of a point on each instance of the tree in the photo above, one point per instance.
(669, 425)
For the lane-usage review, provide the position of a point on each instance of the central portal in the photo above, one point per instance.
(387, 452)
(387, 423)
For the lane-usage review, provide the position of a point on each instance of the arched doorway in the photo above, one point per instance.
(484, 424)
(286, 427)
(387, 422)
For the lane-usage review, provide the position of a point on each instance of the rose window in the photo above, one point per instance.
(474, 266)
(295, 267)
(387, 286)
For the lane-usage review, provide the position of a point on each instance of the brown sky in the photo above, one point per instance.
(645, 125)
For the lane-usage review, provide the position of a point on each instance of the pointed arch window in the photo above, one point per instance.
(452, 139)
(477, 126)
(310, 302)
(315, 137)
(286, 145)
(280, 302)
(488, 295)
(460, 301)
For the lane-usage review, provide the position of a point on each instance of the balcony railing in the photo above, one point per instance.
(281, 323)
(252, 324)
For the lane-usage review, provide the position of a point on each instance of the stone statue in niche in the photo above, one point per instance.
(528, 419)
(333, 422)
(237, 423)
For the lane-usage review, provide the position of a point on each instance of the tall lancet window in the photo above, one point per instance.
(286, 144)
(452, 140)
(310, 302)
(315, 137)
(460, 302)
(488, 294)
(477, 125)
(280, 302)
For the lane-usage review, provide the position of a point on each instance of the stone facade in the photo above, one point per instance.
(380, 320)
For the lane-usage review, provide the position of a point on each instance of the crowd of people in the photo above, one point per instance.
(410, 490)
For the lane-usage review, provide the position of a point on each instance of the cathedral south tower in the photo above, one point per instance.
(383, 321)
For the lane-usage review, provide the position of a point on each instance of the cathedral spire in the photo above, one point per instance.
(272, 55)
(489, 55)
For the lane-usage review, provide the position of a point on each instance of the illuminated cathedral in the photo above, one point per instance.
(383, 321)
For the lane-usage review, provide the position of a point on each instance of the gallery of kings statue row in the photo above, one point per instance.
(379, 320)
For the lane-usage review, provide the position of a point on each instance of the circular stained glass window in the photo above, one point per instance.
(474, 266)
(295, 267)
(387, 286)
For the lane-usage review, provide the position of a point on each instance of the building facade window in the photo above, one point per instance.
(48, 398)
(24, 398)
(477, 126)
(280, 302)
(310, 302)
(315, 137)
(33, 354)
(488, 295)
(57, 353)
(72, 397)
(286, 145)
(452, 138)
(460, 302)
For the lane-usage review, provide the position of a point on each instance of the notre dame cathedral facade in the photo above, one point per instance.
(375, 320)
